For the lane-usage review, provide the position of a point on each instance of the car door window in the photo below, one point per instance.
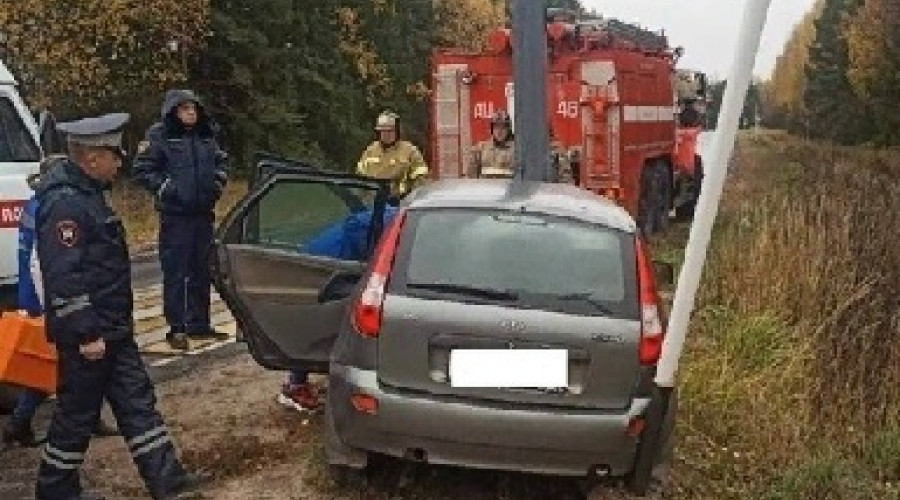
(16, 143)
(306, 216)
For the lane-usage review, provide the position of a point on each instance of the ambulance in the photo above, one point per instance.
(20, 155)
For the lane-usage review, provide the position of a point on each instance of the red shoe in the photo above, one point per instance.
(303, 398)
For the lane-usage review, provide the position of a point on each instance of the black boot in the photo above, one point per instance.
(89, 496)
(189, 486)
(178, 340)
(212, 333)
(21, 434)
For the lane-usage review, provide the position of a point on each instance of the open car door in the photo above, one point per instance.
(277, 268)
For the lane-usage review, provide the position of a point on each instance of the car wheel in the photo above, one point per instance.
(640, 478)
(664, 196)
(346, 477)
(647, 203)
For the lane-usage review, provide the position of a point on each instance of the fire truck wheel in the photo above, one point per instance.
(664, 196)
(685, 211)
(647, 203)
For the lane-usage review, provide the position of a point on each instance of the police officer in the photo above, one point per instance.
(394, 159)
(493, 158)
(86, 274)
(183, 167)
(18, 428)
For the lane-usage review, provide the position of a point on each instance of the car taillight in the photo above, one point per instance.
(367, 310)
(652, 331)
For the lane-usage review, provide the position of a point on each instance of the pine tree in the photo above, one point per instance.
(832, 110)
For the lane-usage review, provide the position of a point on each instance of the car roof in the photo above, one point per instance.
(564, 200)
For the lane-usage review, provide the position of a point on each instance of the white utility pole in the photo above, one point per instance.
(755, 13)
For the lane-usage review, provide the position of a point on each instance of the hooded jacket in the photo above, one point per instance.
(83, 259)
(184, 169)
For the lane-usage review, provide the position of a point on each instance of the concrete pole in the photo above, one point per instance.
(529, 35)
(755, 13)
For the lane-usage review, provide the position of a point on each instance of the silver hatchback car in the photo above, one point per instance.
(478, 325)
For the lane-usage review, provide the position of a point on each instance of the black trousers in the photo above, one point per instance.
(122, 379)
(185, 243)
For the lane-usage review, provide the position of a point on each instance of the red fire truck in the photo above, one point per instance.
(625, 119)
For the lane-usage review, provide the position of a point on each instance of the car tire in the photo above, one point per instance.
(640, 478)
(346, 477)
(664, 196)
(647, 203)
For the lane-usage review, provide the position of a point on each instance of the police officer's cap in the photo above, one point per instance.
(98, 132)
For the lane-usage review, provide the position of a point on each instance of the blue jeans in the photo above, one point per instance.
(27, 405)
(298, 377)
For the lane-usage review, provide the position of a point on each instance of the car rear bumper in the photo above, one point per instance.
(544, 441)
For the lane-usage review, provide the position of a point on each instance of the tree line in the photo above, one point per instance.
(838, 76)
(299, 78)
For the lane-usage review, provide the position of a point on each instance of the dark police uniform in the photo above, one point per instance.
(185, 170)
(88, 295)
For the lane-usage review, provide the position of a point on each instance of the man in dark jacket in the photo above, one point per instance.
(89, 313)
(182, 166)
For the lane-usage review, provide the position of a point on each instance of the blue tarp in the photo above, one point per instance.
(347, 239)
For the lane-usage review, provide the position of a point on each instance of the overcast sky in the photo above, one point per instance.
(707, 29)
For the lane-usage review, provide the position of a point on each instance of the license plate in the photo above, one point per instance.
(509, 368)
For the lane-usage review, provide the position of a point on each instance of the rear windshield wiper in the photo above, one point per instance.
(587, 297)
(476, 291)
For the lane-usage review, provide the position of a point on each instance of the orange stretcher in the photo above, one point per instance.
(27, 359)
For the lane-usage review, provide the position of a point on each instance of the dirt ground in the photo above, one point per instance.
(226, 422)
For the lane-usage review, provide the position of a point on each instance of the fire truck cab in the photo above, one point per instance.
(614, 104)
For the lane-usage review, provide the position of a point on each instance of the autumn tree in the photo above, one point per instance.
(782, 96)
(466, 23)
(74, 55)
(873, 42)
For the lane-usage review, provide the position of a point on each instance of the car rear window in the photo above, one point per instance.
(545, 262)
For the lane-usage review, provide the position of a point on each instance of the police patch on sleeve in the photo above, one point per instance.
(69, 233)
(143, 146)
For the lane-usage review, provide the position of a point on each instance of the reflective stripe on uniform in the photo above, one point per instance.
(149, 441)
(65, 460)
(65, 307)
(419, 171)
(163, 187)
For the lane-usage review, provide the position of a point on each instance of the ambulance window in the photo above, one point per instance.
(16, 143)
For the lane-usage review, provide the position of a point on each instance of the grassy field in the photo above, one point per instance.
(791, 378)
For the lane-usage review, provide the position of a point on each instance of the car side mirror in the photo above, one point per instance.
(665, 273)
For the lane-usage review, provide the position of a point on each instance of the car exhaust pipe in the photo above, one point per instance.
(602, 471)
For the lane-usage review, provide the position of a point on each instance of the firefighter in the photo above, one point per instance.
(493, 158)
(86, 273)
(562, 166)
(391, 158)
(182, 166)
(18, 428)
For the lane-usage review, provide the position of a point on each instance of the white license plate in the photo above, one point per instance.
(509, 368)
